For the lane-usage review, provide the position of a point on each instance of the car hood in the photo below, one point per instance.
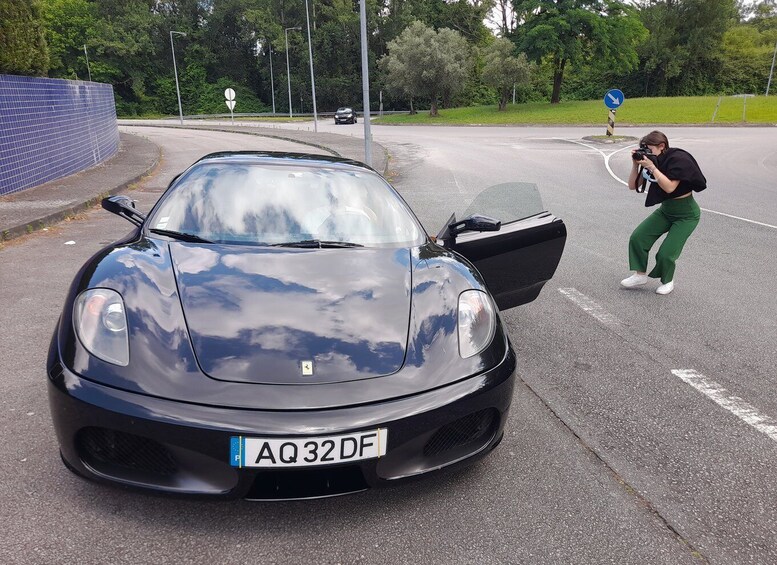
(294, 316)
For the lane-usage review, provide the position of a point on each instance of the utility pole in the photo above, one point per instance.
(175, 70)
(88, 70)
(365, 84)
(272, 83)
(288, 72)
(312, 80)
(768, 84)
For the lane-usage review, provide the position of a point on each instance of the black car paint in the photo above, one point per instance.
(142, 273)
(164, 393)
(199, 435)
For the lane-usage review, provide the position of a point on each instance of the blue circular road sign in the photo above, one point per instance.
(614, 98)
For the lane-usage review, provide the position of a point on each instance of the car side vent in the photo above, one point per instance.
(471, 429)
(104, 450)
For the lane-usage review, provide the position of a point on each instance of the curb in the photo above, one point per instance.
(56, 217)
(242, 130)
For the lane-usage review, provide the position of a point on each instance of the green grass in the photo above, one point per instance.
(683, 110)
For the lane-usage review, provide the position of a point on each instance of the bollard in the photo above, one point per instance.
(611, 123)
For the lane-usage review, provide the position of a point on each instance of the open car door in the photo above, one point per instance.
(510, 238)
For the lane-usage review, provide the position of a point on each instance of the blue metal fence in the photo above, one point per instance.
(51, 128)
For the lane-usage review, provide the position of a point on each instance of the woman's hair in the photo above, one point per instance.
(655, 138)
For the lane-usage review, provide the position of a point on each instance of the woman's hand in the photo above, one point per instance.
(634, 164)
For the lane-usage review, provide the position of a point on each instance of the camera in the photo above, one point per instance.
(643, 152)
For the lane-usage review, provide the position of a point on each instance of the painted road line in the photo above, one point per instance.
(733, 404)
(607, 157)
(738, 218)
(589, 306)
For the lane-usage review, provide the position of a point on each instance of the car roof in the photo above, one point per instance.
(281, 158)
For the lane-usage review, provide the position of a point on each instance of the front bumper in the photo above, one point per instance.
(110, 435)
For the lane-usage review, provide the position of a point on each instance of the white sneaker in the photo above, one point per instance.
(665, 288)
(634, 280)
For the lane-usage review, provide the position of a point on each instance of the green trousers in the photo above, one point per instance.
(676, 218)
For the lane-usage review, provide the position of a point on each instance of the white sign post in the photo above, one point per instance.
(229, 94)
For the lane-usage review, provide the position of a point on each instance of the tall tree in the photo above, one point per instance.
(569, 31)
(503, 70)
(427, 64)
(23, 48)
(69, 25)
(684, 52)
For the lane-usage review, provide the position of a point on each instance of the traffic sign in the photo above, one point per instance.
(614, 98)
(229, 94)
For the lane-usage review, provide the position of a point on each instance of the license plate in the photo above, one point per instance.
(305, 452)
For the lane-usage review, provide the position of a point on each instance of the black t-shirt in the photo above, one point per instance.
(676, 164)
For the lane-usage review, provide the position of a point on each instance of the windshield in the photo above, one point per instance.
(268, 204)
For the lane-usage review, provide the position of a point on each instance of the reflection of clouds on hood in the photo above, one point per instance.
(194, 263)
(336, 312)
(355, 272)
(337, 303)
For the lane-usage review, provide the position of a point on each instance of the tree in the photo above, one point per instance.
(23, 48)
(503, 70)
(428, 64)
(569, 31)
(684, 52)
(69, 24)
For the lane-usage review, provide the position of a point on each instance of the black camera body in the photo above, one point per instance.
(643, 152)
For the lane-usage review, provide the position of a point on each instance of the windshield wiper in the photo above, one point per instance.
(317, 243)
(180, 235)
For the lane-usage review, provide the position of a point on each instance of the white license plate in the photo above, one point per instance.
(305, 452)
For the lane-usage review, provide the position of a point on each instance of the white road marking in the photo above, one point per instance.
(738, 218)
(741, 409)
(600, 152)
(613, 175)
(590, 307)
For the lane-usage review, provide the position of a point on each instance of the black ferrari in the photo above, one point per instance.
(281, 326)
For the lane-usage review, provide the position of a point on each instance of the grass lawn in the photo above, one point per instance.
(681, 110)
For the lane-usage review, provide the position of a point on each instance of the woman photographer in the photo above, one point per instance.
(673, 175)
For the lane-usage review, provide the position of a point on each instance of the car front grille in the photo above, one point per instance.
(289, 484)
(105, 449)
(469, 430)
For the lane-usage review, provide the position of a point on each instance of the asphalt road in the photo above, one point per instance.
(609, 456)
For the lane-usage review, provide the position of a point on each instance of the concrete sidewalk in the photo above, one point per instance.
(37, 207)
(40, 206)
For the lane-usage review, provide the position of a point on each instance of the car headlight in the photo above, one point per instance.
(476, 321)
(101, 325)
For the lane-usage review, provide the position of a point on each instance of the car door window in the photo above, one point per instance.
(507, 202)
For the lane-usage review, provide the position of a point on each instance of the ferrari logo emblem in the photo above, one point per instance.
(307, 368)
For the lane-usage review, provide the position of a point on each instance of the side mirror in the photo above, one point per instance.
(475, 222)
(123, 206)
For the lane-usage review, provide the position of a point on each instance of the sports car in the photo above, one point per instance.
(280, 326)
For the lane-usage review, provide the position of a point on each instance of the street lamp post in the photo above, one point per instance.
(312, 80)
(272, 82)
(288, 72)
(768, 84)
(88, 70)
(175, 70)
(365, 83)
